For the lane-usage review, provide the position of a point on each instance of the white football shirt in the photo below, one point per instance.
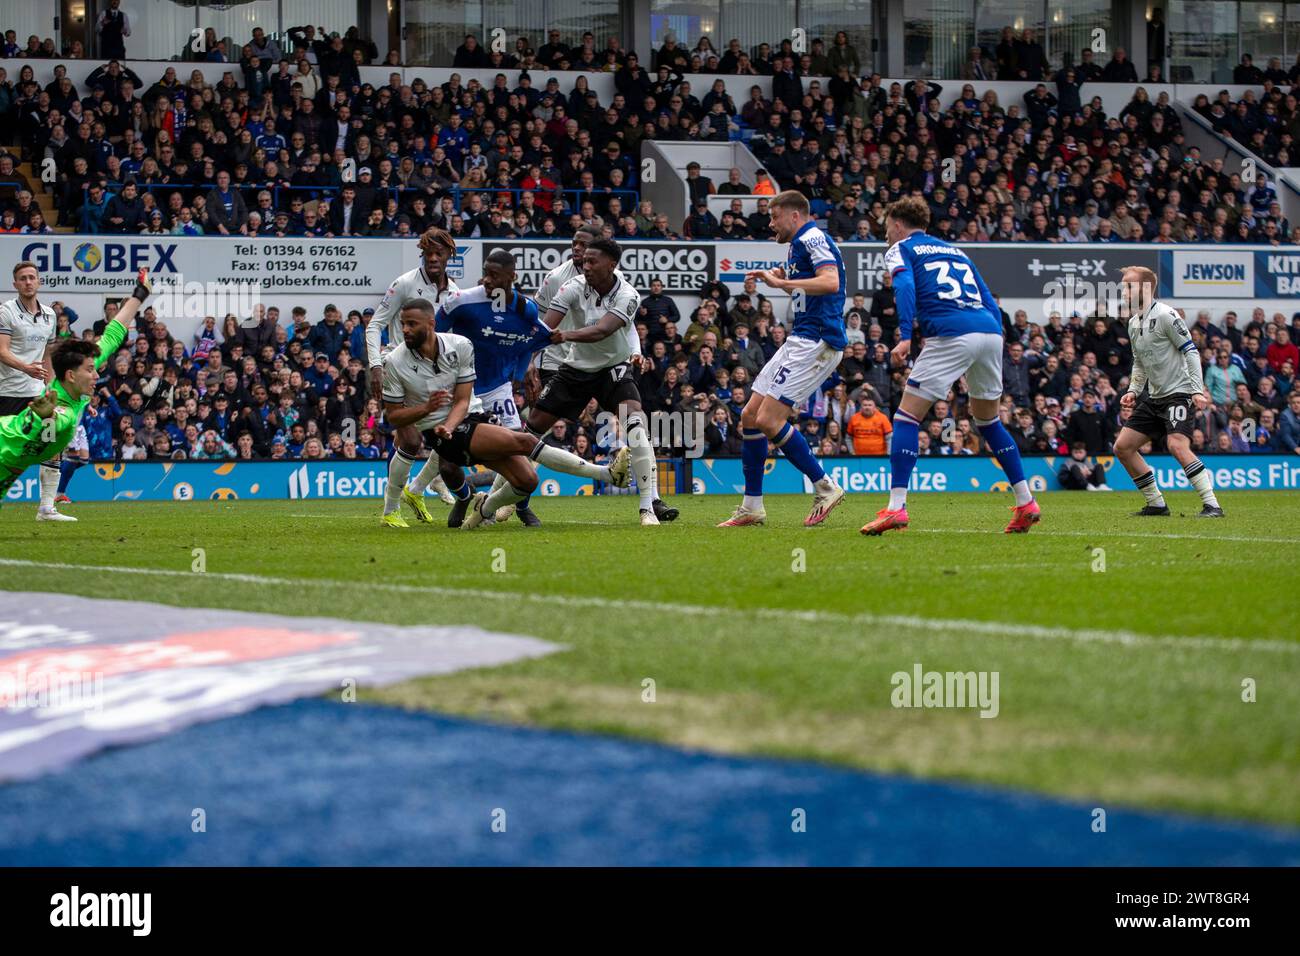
(1165, 358)
(29, 335)
(578, 300)
(410, 378)
(388, 315)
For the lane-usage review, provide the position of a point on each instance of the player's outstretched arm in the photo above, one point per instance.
(608, 324)
(43, 407)
(118, 329)
(553, 317)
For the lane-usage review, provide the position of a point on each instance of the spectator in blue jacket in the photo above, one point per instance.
(357, 340)
(99, 418)
(95, 209)
(318, 375)
(328, 336)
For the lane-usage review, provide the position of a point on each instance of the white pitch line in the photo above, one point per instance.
(993, 628)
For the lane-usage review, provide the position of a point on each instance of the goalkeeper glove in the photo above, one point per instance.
(143, 287)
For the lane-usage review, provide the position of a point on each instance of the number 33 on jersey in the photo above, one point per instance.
(937, 288)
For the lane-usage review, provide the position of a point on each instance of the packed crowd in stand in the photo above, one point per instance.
(289, 142)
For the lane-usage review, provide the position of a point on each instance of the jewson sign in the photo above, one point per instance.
(1209, 273)
(301, 480)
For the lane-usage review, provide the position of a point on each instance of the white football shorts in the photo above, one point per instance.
(500, 403)
(797, 368)
(943, 360)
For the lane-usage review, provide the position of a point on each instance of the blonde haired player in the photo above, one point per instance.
(1167, 367)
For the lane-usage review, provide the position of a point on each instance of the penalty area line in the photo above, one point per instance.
(933, 625)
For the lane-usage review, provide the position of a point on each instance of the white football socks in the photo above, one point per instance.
(569, 463)
(507, 494)
(1021, 488)
(399, 469)
(643, 460)
(426, 474)
(49, 485)
(1150, 490)
(1199, 476)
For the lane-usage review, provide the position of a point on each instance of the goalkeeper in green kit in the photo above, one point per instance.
(49, 423)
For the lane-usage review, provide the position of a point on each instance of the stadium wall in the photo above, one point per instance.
(212, 275)
(304, 481)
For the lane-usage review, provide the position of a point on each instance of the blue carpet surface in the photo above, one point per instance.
(322, 783)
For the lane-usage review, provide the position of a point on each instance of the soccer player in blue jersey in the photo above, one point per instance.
(938, 289)
(505, 328)
(814, 276)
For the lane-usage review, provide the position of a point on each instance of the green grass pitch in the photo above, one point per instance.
(1122, 644)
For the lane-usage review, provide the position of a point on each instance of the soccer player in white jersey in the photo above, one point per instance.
(428, 280)
(27, 333)
(550, 360)
(598, 362)
(429, 386)
(503, 327)
(1167, 367)
(814, 276)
